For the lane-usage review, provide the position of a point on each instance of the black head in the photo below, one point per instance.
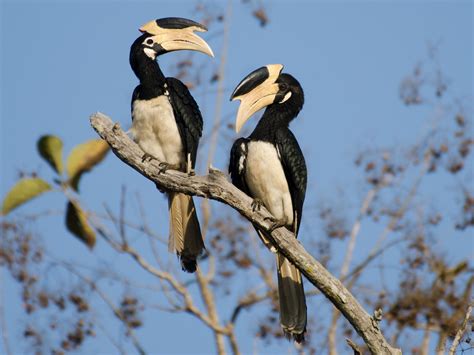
(267, 87)
(290, 92)
(143, 53)
(145, 45)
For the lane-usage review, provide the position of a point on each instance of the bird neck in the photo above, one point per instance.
(275, 118)
(150, 75)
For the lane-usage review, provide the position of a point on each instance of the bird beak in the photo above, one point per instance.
(174, 34)
(256, 91)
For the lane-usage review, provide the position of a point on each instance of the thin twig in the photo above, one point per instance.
(210, 304)
(122, 229)
(398, 215)
(112, 340)
(248, 301)
(461, 331)
(425, 345)
(111, 305)
(355, 230)
(354, 346)
(233, 342)
(441, 345)
(162, 275)
(177, 286)
(347, 260)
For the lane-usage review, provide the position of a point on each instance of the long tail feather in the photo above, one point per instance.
(292, 299)
(185, 233)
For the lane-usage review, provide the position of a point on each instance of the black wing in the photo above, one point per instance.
(187, 115)
(237, 164)
(294, 166)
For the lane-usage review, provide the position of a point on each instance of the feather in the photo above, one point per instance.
(292, 299)
(185, 233)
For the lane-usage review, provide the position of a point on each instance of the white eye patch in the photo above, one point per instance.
(148, 42)
(286, 97)
(150, 53)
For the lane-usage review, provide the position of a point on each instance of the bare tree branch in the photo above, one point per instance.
(111, 338)
(216, 186)
(116, 311)
(347, 261)
(461, 331)
(441, 345)
(425, 345)
(355, 230)
(206, 208)
(233, 341)
(210, 304)
(162, 275)
(179, 288)
(248, 301)
(354, 346)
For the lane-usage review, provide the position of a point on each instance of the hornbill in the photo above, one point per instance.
(167, 123)
(269, 166)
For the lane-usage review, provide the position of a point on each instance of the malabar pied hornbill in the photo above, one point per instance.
(269, 166)
(167, 123)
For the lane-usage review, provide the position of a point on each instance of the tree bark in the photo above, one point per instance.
(216, 186)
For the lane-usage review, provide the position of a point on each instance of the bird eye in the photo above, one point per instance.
(149, 41)
(283, 87)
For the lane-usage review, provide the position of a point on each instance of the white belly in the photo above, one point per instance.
(266, 180)
(155, 131)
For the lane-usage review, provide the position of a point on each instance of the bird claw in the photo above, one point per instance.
(147, 157)
(274, 223)
(192, 172)
(256, 204)
(164, 167)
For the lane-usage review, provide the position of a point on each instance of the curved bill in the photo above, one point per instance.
(256, 91)
(177, 34)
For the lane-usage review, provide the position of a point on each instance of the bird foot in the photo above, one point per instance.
(274, 223)
(164, 167)
(256, 204)
(192, 172)
(147, 157)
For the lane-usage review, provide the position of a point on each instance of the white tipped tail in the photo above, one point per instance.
(185, 233)
(292, 299)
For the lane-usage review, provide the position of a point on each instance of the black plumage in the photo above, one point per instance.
(187, 115)
(296, 174)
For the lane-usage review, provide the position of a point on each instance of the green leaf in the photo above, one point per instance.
(51, 149)
(76, 223)
(83, 158)
(23, 191)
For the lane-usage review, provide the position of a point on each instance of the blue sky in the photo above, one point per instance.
(62, 61)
